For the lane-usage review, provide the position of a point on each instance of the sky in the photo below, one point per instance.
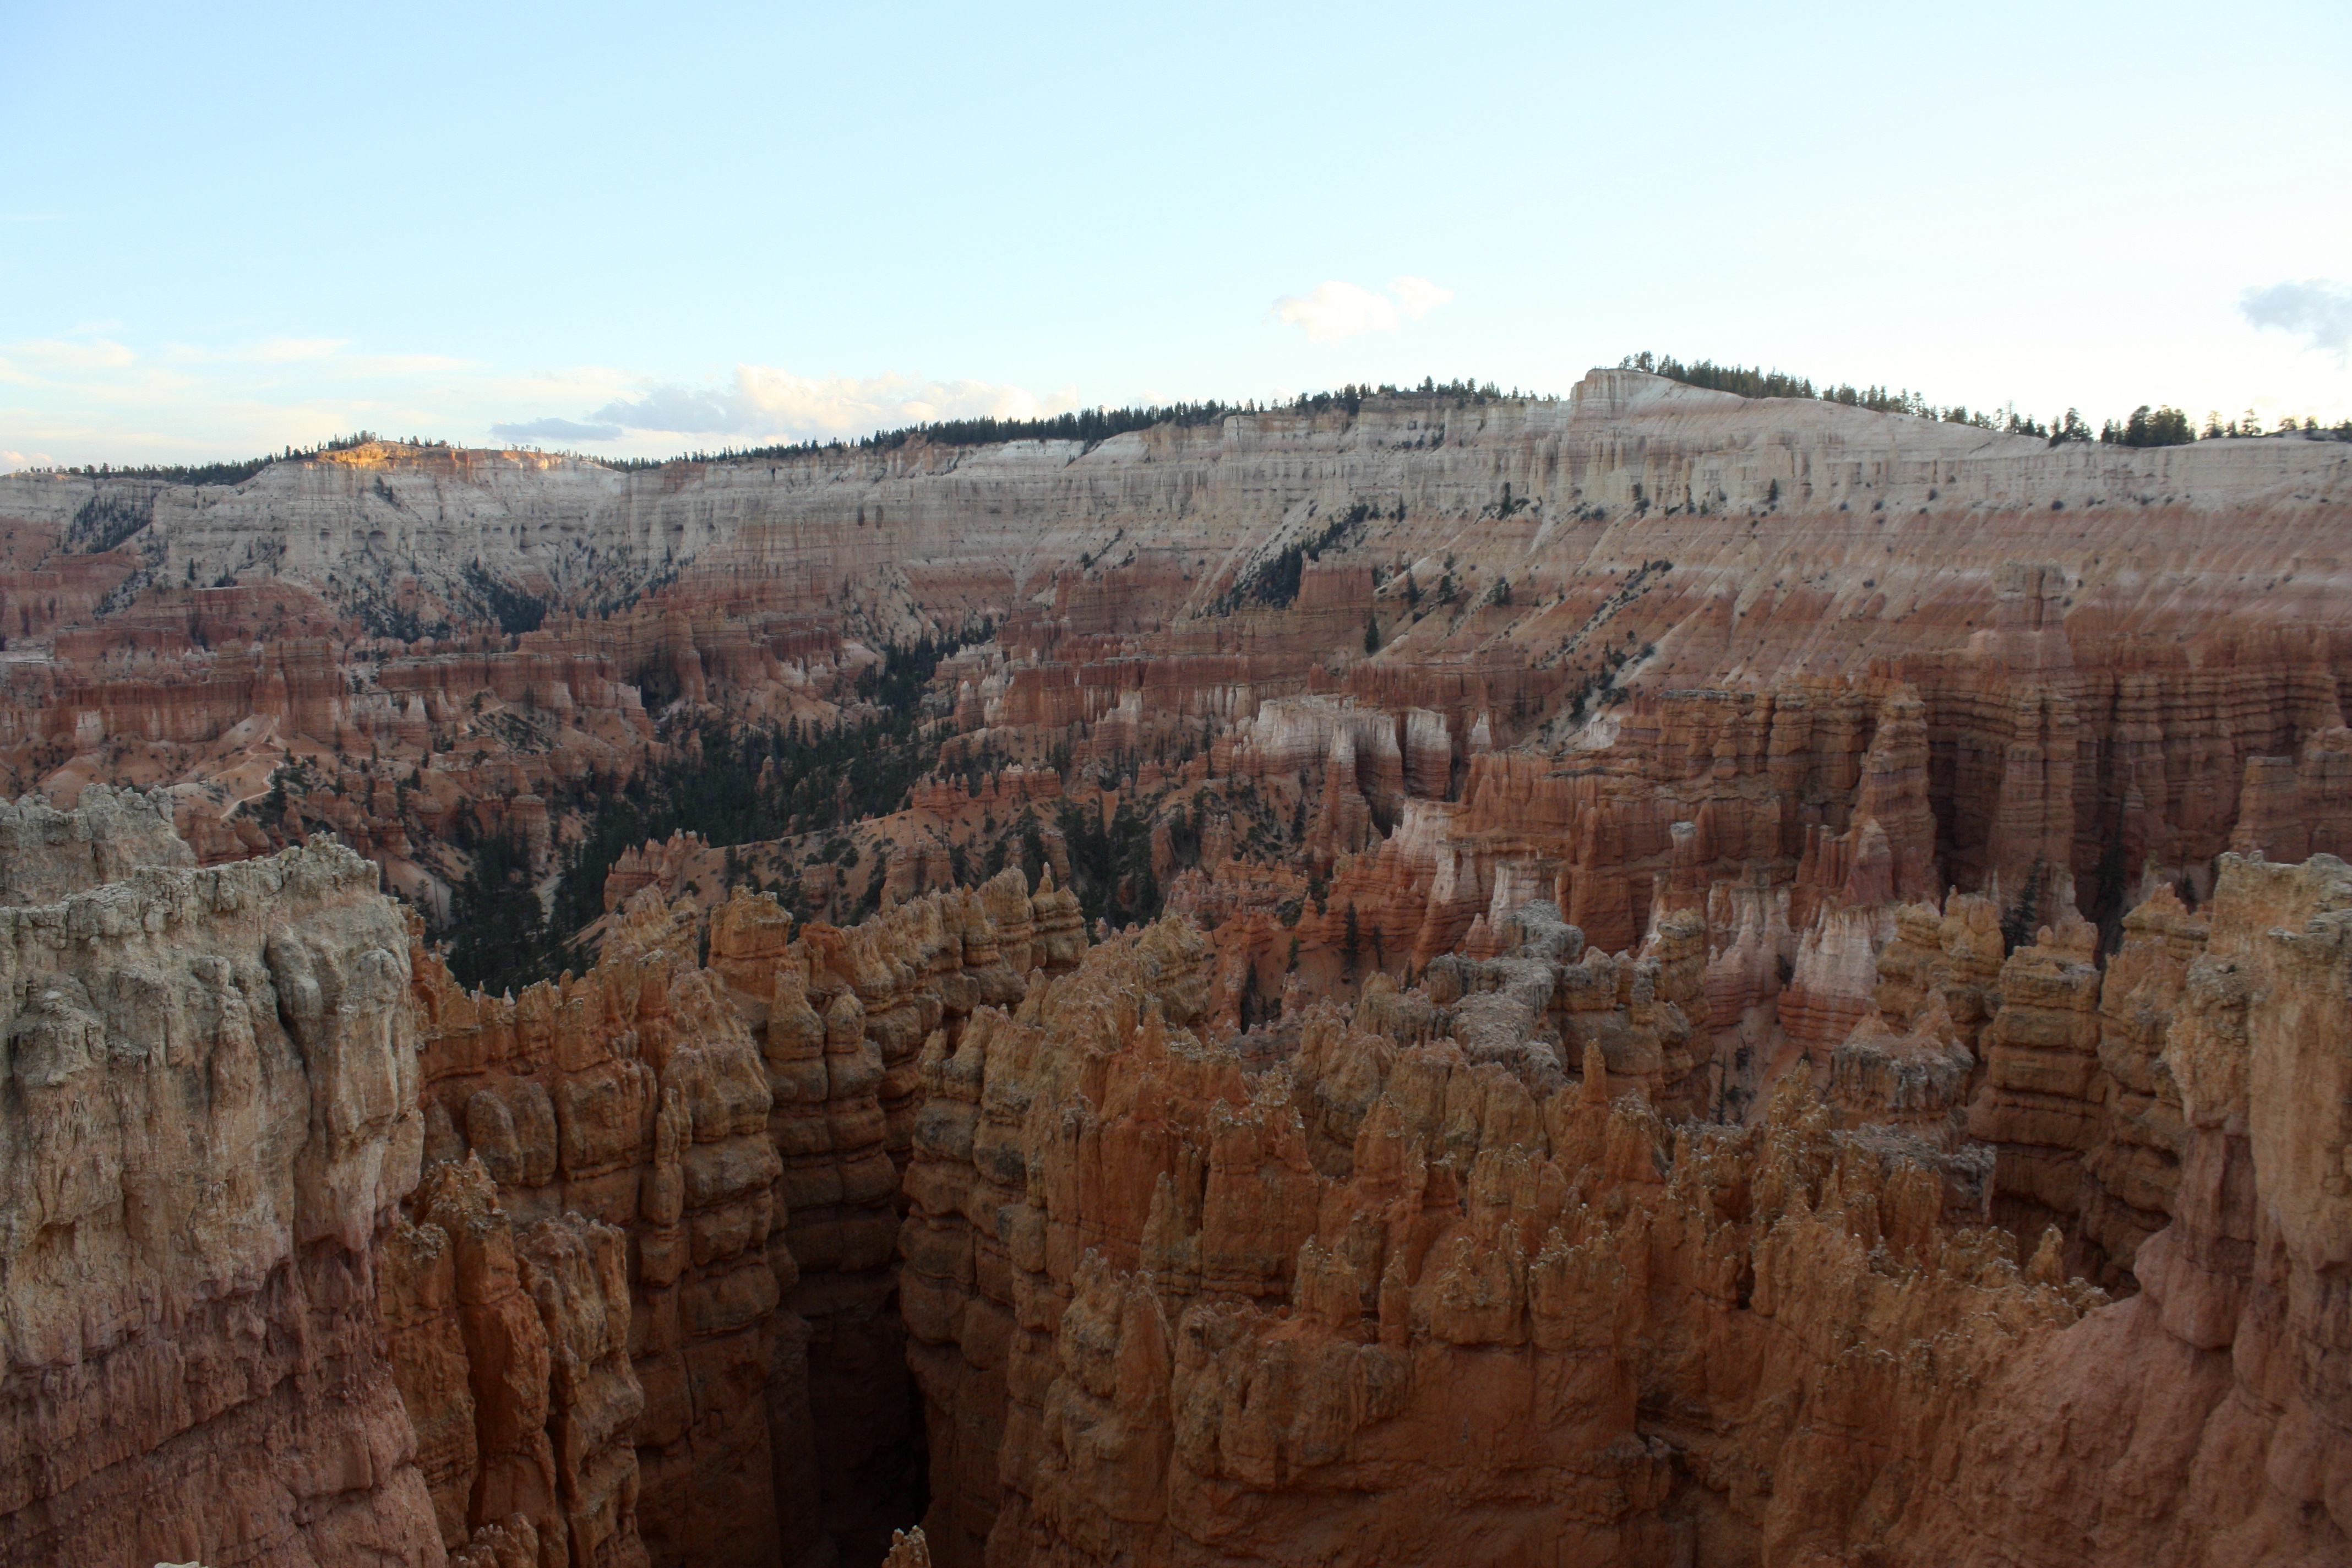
(642, 230)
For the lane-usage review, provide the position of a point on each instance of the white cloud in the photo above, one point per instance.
(97, 353)
(765, 402)
(12, 461)
(1417, 297)
(1334, 310)
(84, 396)
(555, 430)
(275, 350)
(2318, 310)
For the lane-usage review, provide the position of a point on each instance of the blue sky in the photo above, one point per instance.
(227, 229)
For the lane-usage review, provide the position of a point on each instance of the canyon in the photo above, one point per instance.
(1651, 978)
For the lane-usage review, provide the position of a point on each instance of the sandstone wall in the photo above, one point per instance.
(1383, 1296)
(212, 1115)
(47, 854)
(647, 1304)
(1397, 1297)
(605, 1191)
(2204, 1420)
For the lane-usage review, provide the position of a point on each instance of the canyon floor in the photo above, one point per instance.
(1650, 978)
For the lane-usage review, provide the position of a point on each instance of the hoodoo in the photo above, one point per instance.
(1656, 977)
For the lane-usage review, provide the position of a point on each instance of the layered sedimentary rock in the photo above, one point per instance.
(213, 1115)
(1561, 793)
(2132, 1172)
(2109, 646)
(604, 1181)
(1391, 1299)
(1365, 676)
(648, 1299)
(2207, 1417)
(841, 1017)
(512, 1351)
(1366, 1299)
(2038, 1106)
(47, 854)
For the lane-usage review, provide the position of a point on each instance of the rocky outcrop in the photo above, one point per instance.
(512, 1353)
(843, 1018)
(2132, 1170)
(2205, 1418)
(971, 1234)
(1246, 1307)
(648, 1299)
(603, 1216)
(1238, 1306)
(1809, 719)
(47, 854)
(212, 1117)
(2038, 1103)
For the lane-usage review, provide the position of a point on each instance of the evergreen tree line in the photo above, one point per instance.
(1110, 866)
(1274, 581)
(230, 473)
(501, 936)
(1091, 426)
(2145, 426)
(515, 611)
(1351, 398)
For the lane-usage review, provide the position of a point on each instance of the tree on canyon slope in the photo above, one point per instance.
(2164, 427)
(497, 928)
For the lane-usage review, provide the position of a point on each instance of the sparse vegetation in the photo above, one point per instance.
(2145, 426)
(105, 521)
(515, 611)
(233, 472)
(1275, 581)
(2166, 426)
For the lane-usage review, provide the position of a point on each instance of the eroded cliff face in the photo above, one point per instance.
(644, 1309)
(246, 1330)
(1458, 1268)
(211, 1116)
(1675, 896)
(1417, 1292)
(1403, 1285)
(2123, 661)
(2206, 1418)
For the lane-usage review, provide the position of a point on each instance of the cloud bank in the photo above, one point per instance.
(762, 403)
(1334, 310)
(87, 395)
(2321, 311)
(536, 430)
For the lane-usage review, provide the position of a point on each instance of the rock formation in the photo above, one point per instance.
(212, 1116)
(648, 1299)
(610, 1133)
(2093, 655)
(1248, 1310)
(2206, 1420)
(1672, 896)
(1236, 1307)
